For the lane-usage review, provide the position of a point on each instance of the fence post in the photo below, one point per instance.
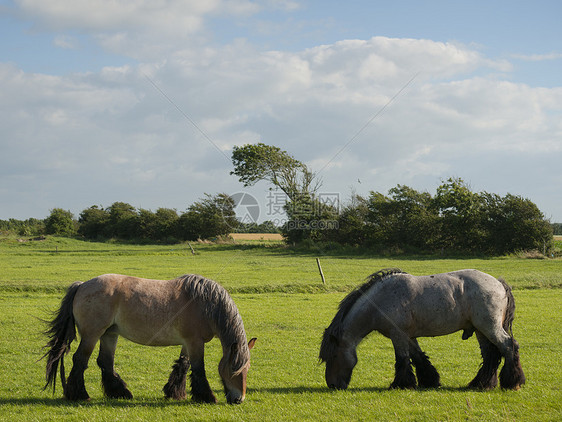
(320, 269)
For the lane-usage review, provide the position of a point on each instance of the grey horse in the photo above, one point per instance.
(403, 307)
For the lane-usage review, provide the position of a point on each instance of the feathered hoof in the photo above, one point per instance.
(403, 385)
(206, 398)
(74, 395)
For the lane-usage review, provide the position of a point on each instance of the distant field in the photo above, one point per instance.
(256, 236)
(251, 266)
(557, 237)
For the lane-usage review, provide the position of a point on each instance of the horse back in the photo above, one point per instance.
(463, 300)
(437, 304)
(479, 287)
(145, 311)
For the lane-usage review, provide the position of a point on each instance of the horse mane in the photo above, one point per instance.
(221, 311)
(334, 332)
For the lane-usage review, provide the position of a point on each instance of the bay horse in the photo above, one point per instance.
(403, 307)
(189, 311)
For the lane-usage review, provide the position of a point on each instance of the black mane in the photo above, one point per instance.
(333, 333)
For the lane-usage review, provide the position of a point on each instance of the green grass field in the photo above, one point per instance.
(284, 304)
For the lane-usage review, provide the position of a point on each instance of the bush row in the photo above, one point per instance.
(207, 218)
(455, 219)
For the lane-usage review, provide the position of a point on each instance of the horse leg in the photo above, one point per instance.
(200, 389)
(511, 375)
(404, 375)
(502, 344)
(175, 387)
(74, 389)
(487, 376)
(427, 375)
(113, 386)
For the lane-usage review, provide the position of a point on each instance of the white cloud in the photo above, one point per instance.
(112, 136)
(111, 15)
(65, 41)
(134, 28)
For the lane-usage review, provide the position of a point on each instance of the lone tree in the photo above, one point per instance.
(306, 214)
(253, 163)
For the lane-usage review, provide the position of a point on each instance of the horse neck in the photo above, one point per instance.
(358, 323)
(231, 332)
(229, 337)
(220, 311)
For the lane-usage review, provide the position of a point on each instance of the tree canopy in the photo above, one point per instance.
(60, 222)
(455, 219)
(306, 213)
(253, 163)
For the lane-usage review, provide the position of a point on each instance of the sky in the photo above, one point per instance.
(142, 101)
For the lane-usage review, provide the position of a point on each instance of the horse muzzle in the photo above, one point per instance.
(338, 385)
(234, 399)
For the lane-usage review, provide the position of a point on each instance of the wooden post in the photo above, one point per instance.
(320, 269)
(191, 247)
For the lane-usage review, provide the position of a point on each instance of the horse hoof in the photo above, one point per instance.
(206, 399)
(177, 397)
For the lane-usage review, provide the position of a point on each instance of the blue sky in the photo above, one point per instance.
(83, 124)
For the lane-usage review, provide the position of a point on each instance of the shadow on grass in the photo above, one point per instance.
(321, 389)
(153, 402)
(306, 389)
(164, 403)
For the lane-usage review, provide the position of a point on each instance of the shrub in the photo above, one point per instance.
(60, 222)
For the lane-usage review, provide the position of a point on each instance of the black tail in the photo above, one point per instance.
(61, 333)
(510, 310)
(511, 375)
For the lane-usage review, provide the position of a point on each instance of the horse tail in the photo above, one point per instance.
(510, 309)
(61, 332)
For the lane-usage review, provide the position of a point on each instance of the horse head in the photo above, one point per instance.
(340, 362)
(233, 376)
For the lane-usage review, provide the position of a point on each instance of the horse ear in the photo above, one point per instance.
(251, 343)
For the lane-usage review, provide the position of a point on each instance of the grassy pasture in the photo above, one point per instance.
(249, 267)
(284, 304)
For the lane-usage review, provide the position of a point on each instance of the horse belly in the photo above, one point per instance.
(151, 324)
(149, 335)
(441, 324)
(438, 316)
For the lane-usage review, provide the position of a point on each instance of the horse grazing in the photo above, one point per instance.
(188, 311)
(403, 307)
